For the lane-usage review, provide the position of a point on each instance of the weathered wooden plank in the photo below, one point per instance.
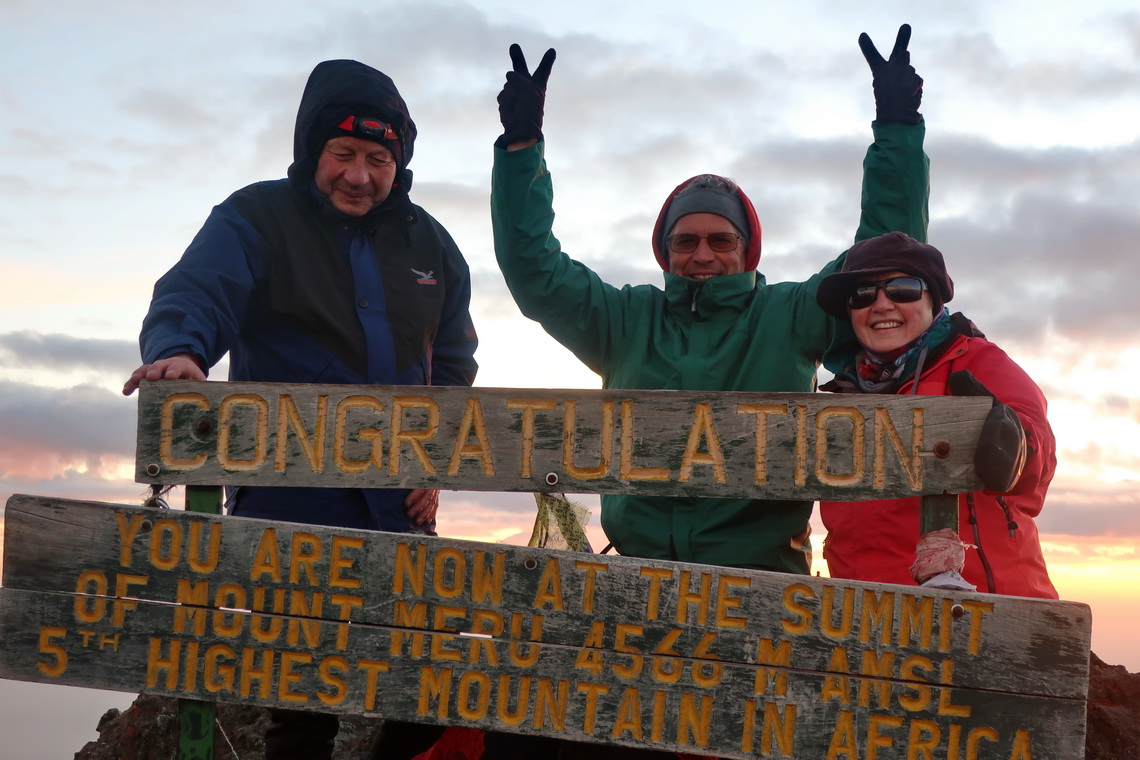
(1003, 644)
(726, 709)
(667, 443)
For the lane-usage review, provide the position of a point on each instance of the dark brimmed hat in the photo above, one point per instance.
(893, 252)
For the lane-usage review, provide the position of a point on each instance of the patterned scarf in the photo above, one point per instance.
(884, 372)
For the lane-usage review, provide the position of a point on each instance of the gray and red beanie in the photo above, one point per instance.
(709, 194)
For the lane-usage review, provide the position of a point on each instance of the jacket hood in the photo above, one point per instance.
(751, 255)
(341, 88)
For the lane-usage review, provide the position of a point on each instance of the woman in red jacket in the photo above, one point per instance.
(896, 336)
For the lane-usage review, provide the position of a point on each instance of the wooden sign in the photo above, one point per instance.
(659, 443)
(693, 658)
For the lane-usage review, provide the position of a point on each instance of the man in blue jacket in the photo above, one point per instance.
(330, 276)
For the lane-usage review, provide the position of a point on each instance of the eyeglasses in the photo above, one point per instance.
(898, 289)
(721, 242)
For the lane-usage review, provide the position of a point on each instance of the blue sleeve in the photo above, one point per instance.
(453, 350)
(198, 306)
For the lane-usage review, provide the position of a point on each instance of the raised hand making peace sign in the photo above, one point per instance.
(898, 88)
(522, 99)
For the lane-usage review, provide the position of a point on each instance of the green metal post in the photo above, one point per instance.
(938, 511)
(196, 718)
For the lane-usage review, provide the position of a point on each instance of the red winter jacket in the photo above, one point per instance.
(875, 540)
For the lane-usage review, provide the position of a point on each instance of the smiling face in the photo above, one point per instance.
(704, 262)
(355, 175)
(885, 325)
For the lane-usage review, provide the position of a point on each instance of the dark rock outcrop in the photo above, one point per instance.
(148, 730)
(1113, 731)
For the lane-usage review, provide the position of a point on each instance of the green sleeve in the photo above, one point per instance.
(896, 190)
(896, 183)
(896, 193)
(567, 298)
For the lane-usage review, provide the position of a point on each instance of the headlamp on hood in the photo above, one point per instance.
(369, 128)
(366, 128)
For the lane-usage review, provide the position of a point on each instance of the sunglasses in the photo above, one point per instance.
(721, 242)
(898, 289)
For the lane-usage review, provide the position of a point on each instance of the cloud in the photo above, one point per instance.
(27, 348)
(1110, 510)
(47, 433)
(1041, 240)
(1069, 75)
(166, 110)
(487, 516)
(1096, 458)
(1129, 26)
(84, 486)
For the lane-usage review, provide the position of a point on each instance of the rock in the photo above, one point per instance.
(148, 730)
(1113, 731)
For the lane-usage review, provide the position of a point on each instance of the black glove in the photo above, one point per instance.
(522, 99)
(1000, 456)
(898, 89)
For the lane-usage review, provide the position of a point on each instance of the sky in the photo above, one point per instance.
(125, 122)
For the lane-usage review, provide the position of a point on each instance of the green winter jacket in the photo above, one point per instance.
(730, 333)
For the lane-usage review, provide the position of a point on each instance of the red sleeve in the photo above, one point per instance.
(1016, 389)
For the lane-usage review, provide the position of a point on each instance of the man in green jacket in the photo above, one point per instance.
(717, 325)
